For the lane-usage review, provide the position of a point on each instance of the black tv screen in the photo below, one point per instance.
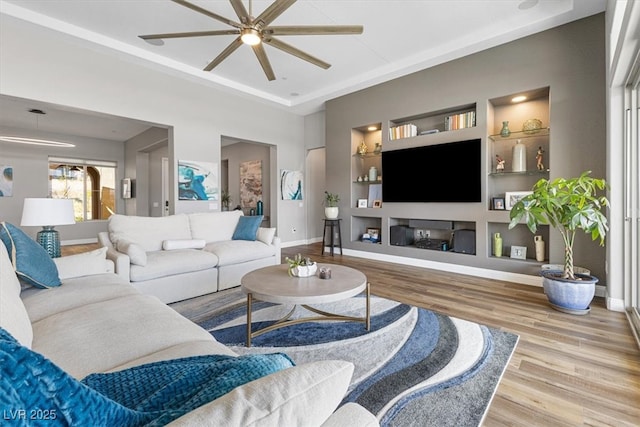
(434, 173)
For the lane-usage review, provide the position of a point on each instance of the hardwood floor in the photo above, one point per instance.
(566, 370)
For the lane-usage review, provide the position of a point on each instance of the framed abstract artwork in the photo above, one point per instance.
(291, 184)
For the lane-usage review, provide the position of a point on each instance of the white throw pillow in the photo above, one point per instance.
(84, 264)
(305, 395)
(13, 314)
(169, 245)
(266, 235)
(136, 253)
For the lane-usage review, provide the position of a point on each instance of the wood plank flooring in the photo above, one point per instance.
(566, 370)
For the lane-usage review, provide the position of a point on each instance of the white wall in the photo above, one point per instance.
(37, 63)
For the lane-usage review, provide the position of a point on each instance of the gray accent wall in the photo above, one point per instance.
(569, 60)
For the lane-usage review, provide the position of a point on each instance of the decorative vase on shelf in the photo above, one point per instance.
(362, 148)
(539, 248)
(505, 132)
(497, 245)
(373, 173)
(378, 148)
(519, 161)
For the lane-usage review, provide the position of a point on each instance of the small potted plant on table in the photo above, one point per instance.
(301, 267)
(568, 205)
(331, 200)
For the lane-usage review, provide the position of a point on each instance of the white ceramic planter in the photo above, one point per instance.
(331, 212)
(305, 270)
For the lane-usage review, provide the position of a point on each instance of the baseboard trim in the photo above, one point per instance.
(614, 304)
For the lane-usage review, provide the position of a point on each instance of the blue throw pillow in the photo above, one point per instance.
(247, 227)
(30, 260)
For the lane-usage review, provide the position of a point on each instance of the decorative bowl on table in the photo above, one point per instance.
(304, 270)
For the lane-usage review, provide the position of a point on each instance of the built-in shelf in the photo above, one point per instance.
(541, 173)
(544, 132)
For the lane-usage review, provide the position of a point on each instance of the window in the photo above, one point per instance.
(91, 184)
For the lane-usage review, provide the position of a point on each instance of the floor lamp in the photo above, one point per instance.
(48, 213)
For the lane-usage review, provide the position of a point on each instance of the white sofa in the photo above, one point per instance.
(96, 322)
(186, 255)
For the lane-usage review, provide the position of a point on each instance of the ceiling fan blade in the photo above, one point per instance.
(264, 61)
(208, 13)
(272, 12)
(303, 30)
(241, 11)
(226, 52)
(296, 52)
(190, 34)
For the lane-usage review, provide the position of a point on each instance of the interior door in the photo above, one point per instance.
(165, 186)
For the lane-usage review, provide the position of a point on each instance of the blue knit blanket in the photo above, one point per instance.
(34, 391)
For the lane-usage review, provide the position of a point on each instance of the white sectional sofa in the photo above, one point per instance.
(187, 255)
(94, 321)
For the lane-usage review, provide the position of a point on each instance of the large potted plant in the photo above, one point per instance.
(331, 205)
(568, 205)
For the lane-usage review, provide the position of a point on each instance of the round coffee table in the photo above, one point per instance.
(273, 284)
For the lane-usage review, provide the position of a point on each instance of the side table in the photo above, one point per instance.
(332, 224)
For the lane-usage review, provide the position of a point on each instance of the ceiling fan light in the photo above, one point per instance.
(250, 36)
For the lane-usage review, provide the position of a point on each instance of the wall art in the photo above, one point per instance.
(291, 184)
(250, 183)
(197, 180)
(6, 181)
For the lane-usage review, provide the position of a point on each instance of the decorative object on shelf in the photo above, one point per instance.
(362, 203)
(497, 203)
(378, 148)
(362, 148)
(324, 273)
(505, 132)
(259, 208)
(559, 203)
(499, 163)
(518, 252)
(497, 245)
(519, 159)
(531, 126)
(513, 197)
(365, 178)
(359, 179)
(540, 159)
(48, 213)
(373, 173)
(301, 267)
(372, 235)
(539, 248)
(377, 203)
(331, 200)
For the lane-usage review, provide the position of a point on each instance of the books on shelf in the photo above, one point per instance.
(460, 121)
(403, 131)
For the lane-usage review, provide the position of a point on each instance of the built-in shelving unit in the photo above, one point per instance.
(431, 233)
(503, 182)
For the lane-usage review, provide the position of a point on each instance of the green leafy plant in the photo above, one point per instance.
(297, 261)
(225, 198)
(567, 205)
(331, 200)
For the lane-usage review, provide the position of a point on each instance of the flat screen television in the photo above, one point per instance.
(439, 173)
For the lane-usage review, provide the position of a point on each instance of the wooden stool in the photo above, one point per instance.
(332, 224)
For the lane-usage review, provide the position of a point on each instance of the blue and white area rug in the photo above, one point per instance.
(413, 368)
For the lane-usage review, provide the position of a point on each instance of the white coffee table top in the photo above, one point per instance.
(273, 284)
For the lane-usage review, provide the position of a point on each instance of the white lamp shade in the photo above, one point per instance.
(46, 212)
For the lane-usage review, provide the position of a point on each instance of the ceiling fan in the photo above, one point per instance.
(256, 31)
